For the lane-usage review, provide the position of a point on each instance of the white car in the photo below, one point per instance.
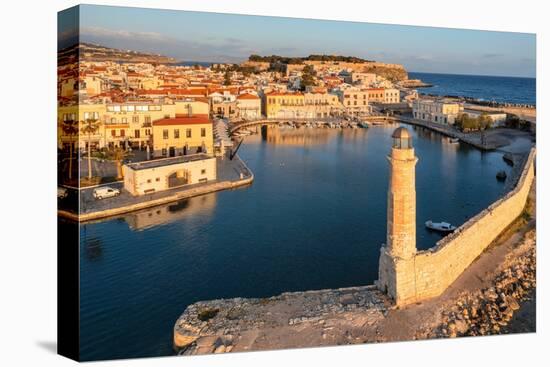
(105, 192)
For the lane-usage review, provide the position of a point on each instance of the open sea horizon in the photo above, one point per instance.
(503, 89)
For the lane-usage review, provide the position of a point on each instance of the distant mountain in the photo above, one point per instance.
(92, 52)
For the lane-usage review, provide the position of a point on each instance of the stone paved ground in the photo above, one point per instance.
(227, 170)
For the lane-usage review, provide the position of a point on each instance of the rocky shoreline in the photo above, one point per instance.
(488, 311)
(364, 315)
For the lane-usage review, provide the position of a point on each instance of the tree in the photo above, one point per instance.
(485, 121)
(70, 128)
(90, 127)
(227, 78)
(118, 154)
(308, 77)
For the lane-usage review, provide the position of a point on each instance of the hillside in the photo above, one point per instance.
(392, 72)
(91, 52)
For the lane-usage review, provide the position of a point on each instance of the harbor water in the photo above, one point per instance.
(314, 218)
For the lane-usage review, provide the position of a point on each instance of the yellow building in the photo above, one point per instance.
(124, 124)
(81, 113)
(301, 106)
(282, 105)
(183, 135)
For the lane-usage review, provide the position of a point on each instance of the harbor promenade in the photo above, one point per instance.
(230, 174)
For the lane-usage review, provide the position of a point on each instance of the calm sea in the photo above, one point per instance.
(314, 218)
(487, 88)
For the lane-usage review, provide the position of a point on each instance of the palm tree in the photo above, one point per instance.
(90, 127)
(118, 154)
(70, 128)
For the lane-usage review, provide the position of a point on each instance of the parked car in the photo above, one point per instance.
(62, 193)
(105, 192)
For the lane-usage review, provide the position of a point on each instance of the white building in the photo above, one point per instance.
(498, 119)
(439, 111)
(147, 177)
(249, 106)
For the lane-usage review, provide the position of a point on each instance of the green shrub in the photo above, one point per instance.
(208, 313)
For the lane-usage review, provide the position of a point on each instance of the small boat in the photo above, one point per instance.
(454, 140)
(441, 226)
(501, 175)
(364, 124)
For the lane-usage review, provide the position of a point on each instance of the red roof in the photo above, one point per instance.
(180, 120)
(247, 96)
(284, 94)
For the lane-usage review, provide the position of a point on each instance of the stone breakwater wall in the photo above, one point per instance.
(430, 272)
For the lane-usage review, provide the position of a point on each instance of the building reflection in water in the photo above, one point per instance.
(295, 137)
(164, 214)
(93, 248)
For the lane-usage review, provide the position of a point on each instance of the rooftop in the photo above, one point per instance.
(183, 120)
(168, 161)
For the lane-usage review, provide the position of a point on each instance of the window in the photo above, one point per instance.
(113, 133)
(188, 133)
(130, 108)
(203, 132)
(203, 171)
(157, 179)
(147, 132)
(91, 115)
(113, 120)
(147, 119)
(164, 151)
(136, 133)
(165, 134)
(135, 119)
(124, 120)
(149, 181)
(176, 133)
(122, 132)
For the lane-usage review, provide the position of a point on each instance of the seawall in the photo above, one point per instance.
(184, 194)
(430, 272)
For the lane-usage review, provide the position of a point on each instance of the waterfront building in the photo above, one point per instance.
(182, 135)
(498, 119)
(391, 95)
(302, 105)
(283, 104)
(375, 95)
(81, 113)
(355, 100)
(439, 111)
(147, 177)
(249, 106)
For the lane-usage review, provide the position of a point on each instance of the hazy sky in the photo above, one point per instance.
(194, 36)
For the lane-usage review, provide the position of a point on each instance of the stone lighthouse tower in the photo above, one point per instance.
(396, 274)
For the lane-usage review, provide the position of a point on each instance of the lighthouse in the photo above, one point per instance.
(396, 274)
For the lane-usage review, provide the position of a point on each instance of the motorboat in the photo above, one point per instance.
(440, 226)
(501, 175)
(454, 140)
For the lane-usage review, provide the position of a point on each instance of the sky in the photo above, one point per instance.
(198, 36)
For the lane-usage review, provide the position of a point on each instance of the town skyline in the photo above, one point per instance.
(184, 36)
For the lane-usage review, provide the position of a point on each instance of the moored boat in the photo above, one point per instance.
(501, 175)
(440, 226)
(454, 140)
